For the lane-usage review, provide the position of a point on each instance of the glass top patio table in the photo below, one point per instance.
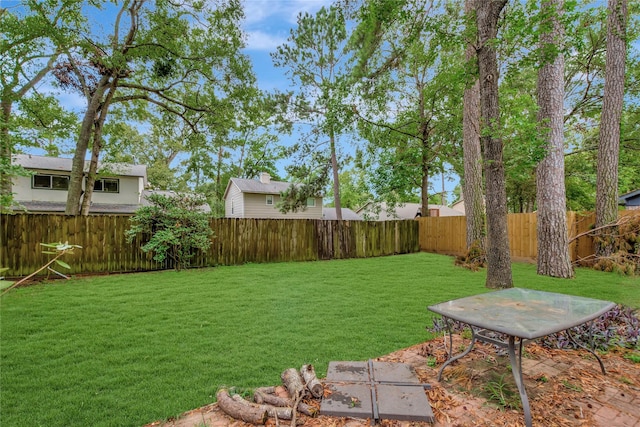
(523, 313)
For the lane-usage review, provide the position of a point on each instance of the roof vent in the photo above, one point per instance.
(265, 178)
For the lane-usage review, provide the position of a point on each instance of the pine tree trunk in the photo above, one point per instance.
(336, 177)
(424, 184)
(609, 141)
(498, 252)
(472, 180)
(553, 240)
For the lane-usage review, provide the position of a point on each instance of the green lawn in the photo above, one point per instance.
(130, 349)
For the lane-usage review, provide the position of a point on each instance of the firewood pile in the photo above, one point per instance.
(267, 403)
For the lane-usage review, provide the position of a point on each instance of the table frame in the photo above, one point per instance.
(514, 345)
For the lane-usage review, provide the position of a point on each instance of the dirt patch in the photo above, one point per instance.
(565, 388)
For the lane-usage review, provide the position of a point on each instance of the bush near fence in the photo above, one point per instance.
(447, 235)
(234, 241)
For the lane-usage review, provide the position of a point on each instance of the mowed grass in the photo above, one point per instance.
(125, 350)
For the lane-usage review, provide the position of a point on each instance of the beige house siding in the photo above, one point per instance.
(255, 206)
(234, 203)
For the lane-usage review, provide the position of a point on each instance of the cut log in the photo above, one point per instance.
(266, 395)
(294, 383)
(311, 381)
(241, 409)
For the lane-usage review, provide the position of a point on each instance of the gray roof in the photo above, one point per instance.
(255, 186)
(347, 214)
(59, 207)
(403, 211)
(30, 161)
(629, 197)
(96, 208)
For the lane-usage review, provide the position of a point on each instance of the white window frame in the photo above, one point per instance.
(102, 186)
(51, 177)
(311, 202)
(269, 200)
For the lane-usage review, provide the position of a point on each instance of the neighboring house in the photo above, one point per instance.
(459, 206)
(403, 211)
(253, 198)
(118, 188)
(347, 214)
(630, 200)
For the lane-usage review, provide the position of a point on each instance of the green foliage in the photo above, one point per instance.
(633, 356)
(502, 393)
(174, 228)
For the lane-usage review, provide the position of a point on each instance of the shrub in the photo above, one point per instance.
(174, 226)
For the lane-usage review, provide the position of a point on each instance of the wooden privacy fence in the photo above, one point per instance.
(447, 235)
(234, 241)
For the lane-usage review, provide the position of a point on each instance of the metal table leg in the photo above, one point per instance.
(453, 359)
(516, 369)
(592, 351)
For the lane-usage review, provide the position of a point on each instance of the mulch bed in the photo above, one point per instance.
(565, 388)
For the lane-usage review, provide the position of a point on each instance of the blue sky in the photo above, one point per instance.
(267, 25)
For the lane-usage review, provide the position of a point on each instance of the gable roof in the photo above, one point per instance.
(255, 186)
(30, 161)
(623, 199)
(347, 214)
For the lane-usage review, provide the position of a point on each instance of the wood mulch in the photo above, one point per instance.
(565, 388)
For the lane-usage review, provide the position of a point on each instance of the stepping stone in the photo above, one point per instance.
(347, 400)
(375, 390)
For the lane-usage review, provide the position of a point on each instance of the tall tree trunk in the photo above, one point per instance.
(336, 178)
(609, 141)
(498, 252)
(95, 150)
(472, 180)
(77, 164)
(553, 240)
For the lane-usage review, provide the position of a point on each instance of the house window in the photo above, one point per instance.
(311, 202)
(51, 182)
(269, 199)
(107, 186)
(232, 210)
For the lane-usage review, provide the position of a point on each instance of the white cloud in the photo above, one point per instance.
(260, 40)
(258, 11)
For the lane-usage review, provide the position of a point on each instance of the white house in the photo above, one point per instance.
(403, 211)
(253, 198)
(118, 189)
